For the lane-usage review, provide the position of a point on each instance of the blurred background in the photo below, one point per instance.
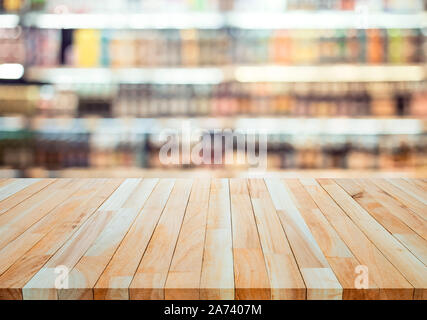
(87, 85)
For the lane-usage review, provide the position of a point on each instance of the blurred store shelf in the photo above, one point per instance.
(216, 20)
(270, 73)
(9, 20)
(287, 126)
(327, 20)
(11, 71)
(127, 75)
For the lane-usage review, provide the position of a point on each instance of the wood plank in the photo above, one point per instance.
(17, 185)
(87, 271)
(412, 268)
(412, 241)
(285, 278)
(115, 280)
(183, 281)
(318, 276)
(412, 203)
(217, 279)
(400, 211)
(391, 282)
(16, 248)
(31, 210)
(23, 194)
(338, 255)
(418, 183)
(150, 277)
(411, 189)
(89, 198)
(42, 284)
(250, 273)
(5, 181)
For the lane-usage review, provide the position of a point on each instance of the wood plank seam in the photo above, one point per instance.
(148, 284)
(12, 204)
(217, 277)
(393, 285)
(41, 285)
(115, 280)
(179, 233)
(126, 233)
(319, 278)
(286, 280)
(93, 262)
(411, 268)
(400, 231)
(180, 283)
(411, 203)
(18, 268)
(10, 231)
(342, 260)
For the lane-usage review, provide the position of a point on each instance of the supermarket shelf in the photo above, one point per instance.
(12, 123)
(331, 73)
(327, 20)
(216, 20)
(9, 20)
(215, 75)
(127, 75)
(287, 126)
(126, 21)
(11, 71)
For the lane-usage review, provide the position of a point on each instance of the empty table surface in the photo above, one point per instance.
(213, 238)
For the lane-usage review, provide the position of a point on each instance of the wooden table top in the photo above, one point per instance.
(213, 238)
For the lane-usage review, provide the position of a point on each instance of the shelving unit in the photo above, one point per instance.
(216, 20)
(387, 115)
(215, 75)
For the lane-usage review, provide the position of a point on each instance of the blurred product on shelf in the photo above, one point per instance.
(91, 84)
(226, 99)
(188, 48)
(55, 150)
(79, 6)
(233, 46)
(261, 99)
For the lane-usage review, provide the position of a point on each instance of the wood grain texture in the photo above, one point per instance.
(412, 268)
(260, 238)
(24, 215)
(13, 200)
(217, 278)
(405, 198)
(285, 278)
(409, 188)
(5, 181)
(411, 240)
(183, 282)
(150, 277)
(391, 282)
(115, 280)
(43, 285)
(394, 207)
(250, 273)
(84, 275)
(339, 256)
(14, 186)
(71, 217)
(318, 276)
